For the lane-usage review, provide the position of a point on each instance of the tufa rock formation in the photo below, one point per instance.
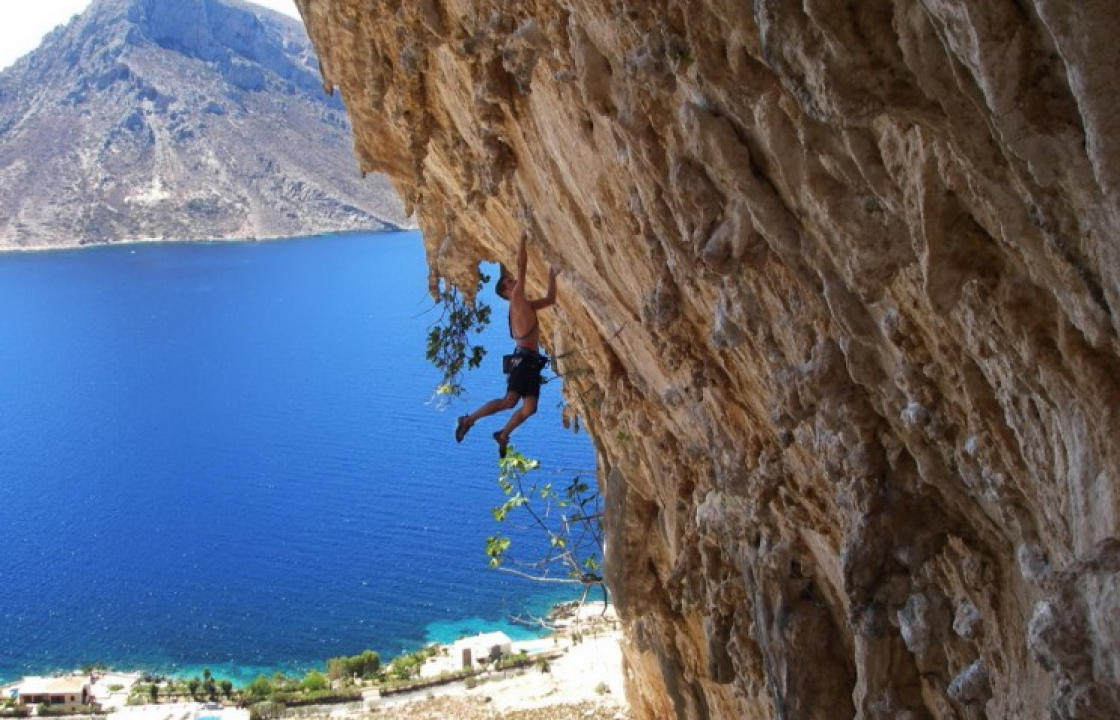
(842, 285)
(185, 120)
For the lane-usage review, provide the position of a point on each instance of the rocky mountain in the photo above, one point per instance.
(194, 119)
(840, 303)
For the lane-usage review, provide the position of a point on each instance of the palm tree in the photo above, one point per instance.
(208, 685)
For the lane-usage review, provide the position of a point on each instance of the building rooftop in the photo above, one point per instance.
(490, 638)
(64, 685)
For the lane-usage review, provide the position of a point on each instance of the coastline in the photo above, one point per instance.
(578, 665)
(553, 608)
(7, 247)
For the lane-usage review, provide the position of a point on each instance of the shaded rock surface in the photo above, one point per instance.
(187, 120)
(839, 303)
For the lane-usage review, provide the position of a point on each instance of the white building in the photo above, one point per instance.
(67, 692)
(485, 647)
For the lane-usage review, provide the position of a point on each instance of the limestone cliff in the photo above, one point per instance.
(846, 278)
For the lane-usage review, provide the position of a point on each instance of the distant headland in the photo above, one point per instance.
(147, 121)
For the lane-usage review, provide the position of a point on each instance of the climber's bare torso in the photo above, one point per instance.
(524, 327)
(524, 379)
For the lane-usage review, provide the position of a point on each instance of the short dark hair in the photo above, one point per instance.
(502, 277)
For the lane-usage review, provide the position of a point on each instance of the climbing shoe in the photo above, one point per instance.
(461, 428)
(502, 444)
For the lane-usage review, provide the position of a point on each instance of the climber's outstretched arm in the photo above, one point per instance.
(550, 296)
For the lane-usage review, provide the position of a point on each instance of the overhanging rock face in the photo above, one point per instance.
(839, 301)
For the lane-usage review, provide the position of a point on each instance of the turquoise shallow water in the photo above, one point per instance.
(226, 456)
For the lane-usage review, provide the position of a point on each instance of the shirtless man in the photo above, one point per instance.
(524, 382)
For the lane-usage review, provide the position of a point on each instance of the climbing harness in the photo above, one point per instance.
(537, 360)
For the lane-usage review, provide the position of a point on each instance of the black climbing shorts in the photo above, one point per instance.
(525, 372)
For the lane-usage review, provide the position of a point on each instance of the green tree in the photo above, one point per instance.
(259, 690)
(405, 667)
(153, 692)
(369, 663)
(209, 687)
(192, 687)
(408, 665)
(336, 669)
(227, 688)
(364, 665)
(314, 681)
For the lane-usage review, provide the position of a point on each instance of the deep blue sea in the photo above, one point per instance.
(226, 455)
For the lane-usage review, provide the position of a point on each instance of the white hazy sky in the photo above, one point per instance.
(27, 21)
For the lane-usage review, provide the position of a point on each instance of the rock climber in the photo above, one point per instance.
(525, 364)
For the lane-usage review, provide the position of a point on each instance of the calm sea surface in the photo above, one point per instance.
(226, 456)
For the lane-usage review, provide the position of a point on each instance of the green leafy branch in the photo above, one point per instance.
(449, 346)
(569, 515)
